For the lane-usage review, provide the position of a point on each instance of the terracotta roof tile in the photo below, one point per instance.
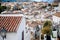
(10, 23)
(57, 14)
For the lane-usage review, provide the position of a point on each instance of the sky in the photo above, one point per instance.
(8, 0)
(49, 1)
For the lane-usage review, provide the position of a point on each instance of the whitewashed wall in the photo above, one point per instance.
(21, 28)
(59, 4)
(15, 35)
(11, 36)
(28, 34)
(56, 19)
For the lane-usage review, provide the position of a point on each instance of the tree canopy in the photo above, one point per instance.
(47, 23)
(47, 27)
(2, 8)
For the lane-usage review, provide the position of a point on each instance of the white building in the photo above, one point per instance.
(56, 17)
(14, 24)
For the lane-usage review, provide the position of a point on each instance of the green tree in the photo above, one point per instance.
(44, 7)
(47, 23)
(2, 8)
(49, 4)
(47, 28)
(0, 4)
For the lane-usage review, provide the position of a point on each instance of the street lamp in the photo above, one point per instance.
(3, 33)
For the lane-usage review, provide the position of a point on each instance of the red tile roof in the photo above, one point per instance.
(57, 14)
(10, 23)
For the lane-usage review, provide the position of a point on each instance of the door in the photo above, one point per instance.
(23, 35)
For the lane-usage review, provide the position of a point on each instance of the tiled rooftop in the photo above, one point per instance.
(10, 23)
(57, 14)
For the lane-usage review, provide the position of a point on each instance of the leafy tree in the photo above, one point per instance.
(47, 28)
(55, 5)
(47, 23)
(49, 4)
(44, 7)
(2, 8)
(0, 4)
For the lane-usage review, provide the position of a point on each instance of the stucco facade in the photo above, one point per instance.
(15, 35)
(56, 19)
